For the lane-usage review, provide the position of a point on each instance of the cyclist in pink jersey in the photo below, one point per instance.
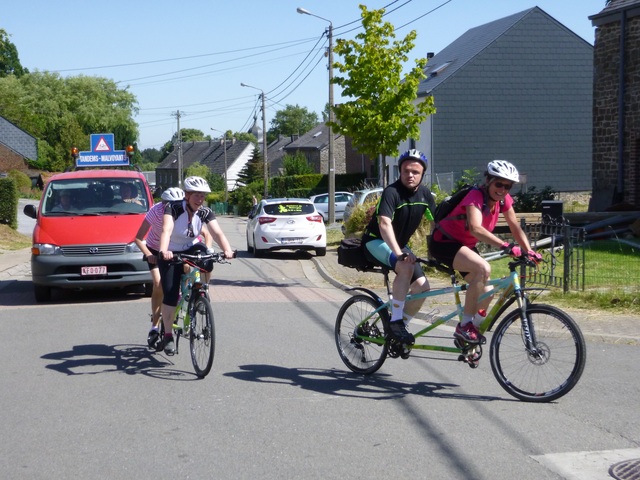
(454, 240)
(152, 228)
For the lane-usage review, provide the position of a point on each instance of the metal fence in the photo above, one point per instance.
(584, 259)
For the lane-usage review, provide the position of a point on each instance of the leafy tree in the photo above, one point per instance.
(245, 136)
(215, 181)
(151, 155)
(293, 120)
(296, 165)
(9, 61)
(63, 112)
(382, 113)
(191, 135)
(253, 171)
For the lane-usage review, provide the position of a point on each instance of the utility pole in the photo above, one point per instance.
(265, 157)
(226, 187)
(177, 115)
(331, 160)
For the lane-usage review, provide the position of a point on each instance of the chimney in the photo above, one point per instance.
(430, 55)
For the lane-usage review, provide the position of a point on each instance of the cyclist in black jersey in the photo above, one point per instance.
(398, 214)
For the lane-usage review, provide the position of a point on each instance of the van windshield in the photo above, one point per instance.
(95, 196)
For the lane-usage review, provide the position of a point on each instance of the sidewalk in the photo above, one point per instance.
(14, 265)
(596, 326)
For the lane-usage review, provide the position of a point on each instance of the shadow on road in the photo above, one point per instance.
(345, 384)
(94, 359)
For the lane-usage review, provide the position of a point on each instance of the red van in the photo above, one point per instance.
(86, 224)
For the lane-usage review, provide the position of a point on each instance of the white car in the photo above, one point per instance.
(322, 204)
(286, 224)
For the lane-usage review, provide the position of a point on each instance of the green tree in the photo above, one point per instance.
(253, 171)
(192, 135)
(296, 165)
(383, 112)
(215, 181)
(9, 61)
(245, 136)
(293, 120)
(63, 112)
(151, 155)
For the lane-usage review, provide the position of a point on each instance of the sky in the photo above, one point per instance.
(192, 56)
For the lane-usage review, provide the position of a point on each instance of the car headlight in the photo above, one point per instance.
(133, 248)
(45, 249)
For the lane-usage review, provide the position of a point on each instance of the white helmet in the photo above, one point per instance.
(172, 194)
(503, 169)
(196, 184)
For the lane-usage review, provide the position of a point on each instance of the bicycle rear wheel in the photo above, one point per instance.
(359, 354)
(202, 337)
(550, 371)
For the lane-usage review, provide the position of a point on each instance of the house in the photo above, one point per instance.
(616, 106)
(212, 154)
(17, 147)
(314, 145)
(518, 88)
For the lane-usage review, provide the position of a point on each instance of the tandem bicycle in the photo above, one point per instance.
(194, 315)
(537, 351)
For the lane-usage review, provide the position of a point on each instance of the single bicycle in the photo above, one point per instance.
(194, 315)
(537, 351)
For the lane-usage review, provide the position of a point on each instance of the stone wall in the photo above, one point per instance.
(605, 112)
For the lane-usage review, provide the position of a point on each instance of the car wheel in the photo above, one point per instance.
(321, 252)
(258, 252)
(42, 293)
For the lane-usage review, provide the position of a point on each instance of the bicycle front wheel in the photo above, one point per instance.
(551, 368)
(359, 334)
(202, 336)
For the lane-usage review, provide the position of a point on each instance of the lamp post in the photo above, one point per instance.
(331, 162)
(264, 140)
(226, 185)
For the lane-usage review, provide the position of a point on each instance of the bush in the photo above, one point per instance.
(23, 182)
(9, 202)
(531, 200)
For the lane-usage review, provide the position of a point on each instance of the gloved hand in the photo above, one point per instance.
(534, 256)
(511, 249)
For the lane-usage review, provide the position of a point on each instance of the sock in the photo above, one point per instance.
(396, 310)
(466, 319)
(479, 317)
(406, 318)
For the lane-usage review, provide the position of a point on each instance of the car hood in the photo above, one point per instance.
(84, 230)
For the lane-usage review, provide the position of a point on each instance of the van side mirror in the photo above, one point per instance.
(30, 211)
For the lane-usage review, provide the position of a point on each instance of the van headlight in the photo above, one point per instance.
(132, 248)
(45, 249)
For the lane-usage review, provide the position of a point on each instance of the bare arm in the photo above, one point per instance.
(165, 237)
(515, 229)
(142, 233)
(220, 238)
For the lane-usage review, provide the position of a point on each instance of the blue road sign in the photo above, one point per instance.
(103, 153)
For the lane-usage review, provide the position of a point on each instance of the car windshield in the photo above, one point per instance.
(95, 196)
(292, 208)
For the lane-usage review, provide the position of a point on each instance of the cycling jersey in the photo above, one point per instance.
(405, 208)
(185, 233)
(458, 229)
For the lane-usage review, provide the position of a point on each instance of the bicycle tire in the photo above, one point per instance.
(549, 375)
(361, 356)
(202, 336)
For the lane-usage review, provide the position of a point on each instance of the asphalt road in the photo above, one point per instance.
(82, 397)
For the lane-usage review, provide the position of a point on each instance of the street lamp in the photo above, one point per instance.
(331, 162)
(226, 187)
(264, 140)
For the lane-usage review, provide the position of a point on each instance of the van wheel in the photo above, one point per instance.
(148, 289)
(42, 293)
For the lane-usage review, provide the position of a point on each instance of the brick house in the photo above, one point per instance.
(17, 147)
(518, 88)
(616, 106)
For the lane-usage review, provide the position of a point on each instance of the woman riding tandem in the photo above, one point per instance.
(454, 241)
(181, 226)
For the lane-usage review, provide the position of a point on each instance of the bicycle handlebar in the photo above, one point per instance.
(218, 257)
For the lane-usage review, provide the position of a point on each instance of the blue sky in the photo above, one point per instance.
(191, 56)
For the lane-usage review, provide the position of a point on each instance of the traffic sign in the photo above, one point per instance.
(103, 153)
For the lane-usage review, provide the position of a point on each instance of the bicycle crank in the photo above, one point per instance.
(470, 355)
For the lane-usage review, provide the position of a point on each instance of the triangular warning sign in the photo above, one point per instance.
(102, 146)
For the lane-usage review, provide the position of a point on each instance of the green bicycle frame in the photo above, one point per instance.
(506, 286)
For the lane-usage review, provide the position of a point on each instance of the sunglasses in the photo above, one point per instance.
(506, 186)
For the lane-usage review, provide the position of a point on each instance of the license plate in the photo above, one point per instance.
(290, 240)
(97, 270)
